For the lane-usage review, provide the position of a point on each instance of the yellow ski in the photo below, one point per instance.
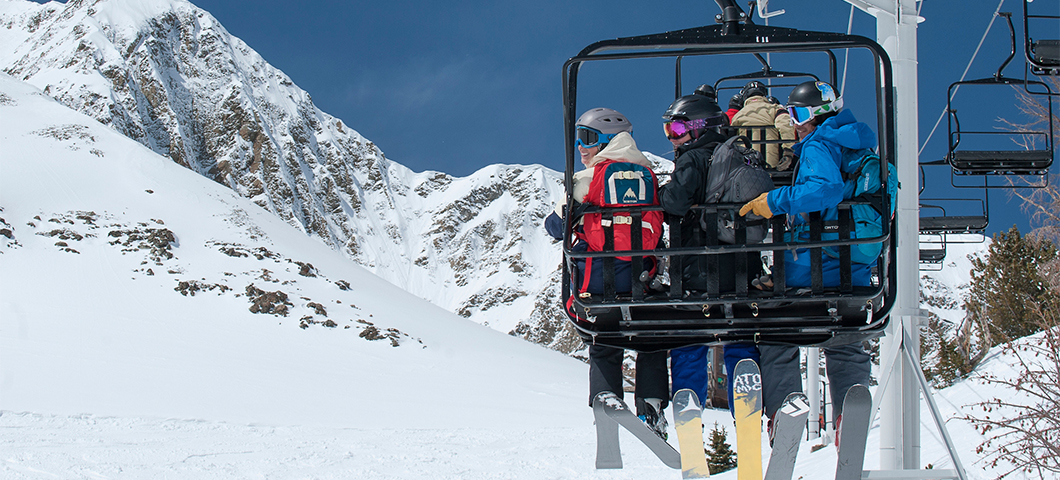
(747, 403)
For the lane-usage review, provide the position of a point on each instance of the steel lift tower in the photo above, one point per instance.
(902, 380)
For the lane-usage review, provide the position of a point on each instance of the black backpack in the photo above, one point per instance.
(737, 175)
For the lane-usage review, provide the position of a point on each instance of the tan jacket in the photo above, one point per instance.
(758, 111)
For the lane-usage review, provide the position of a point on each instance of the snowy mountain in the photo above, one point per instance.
(168, 75)
(131, 284)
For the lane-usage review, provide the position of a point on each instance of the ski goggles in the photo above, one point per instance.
(801, 115)
(675, 129)
(591, 137)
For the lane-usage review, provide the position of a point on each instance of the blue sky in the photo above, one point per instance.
(455, 86)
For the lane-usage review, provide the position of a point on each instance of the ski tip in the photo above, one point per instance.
(795, 406)
(858, 391)
(686, 395)
(609, 399)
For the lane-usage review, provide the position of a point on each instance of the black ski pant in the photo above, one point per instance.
(605, 374)
(846, 366)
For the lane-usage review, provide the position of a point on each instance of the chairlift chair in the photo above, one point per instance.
(1029, 162)
(932, 252)
(944, 224)
(649, 320)
(1043, 55)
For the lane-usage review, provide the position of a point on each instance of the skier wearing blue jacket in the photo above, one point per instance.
(824, 130)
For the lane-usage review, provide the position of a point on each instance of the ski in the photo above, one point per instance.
(608, 451)
(747, 403)
(613, 406)
(688, 421)
(853, 432)
(788, 425)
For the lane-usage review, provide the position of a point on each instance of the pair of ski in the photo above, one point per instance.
(747, 408)
(611, 411)
(790, 422)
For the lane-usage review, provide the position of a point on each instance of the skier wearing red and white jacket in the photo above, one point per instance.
(604, 134)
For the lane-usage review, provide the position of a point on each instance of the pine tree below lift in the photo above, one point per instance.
(720, 456)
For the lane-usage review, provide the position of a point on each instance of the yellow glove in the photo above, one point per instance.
(758, 206)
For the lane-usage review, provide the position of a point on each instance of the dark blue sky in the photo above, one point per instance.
(457, 85)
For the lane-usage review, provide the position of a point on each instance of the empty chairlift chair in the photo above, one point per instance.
(1043, 55)
(983, 151)
(943, 224)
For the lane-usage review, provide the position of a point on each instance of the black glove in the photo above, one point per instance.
(736, 102)
(786, 159)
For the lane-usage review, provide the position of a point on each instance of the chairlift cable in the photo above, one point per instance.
(965, 74)
(846, 54)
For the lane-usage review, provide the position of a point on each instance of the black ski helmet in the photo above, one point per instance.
(707, 91)
(814, 94)
(754, 89)
(692, 107)
(696, 107)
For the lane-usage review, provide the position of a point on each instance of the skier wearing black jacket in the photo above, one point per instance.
(693, 126)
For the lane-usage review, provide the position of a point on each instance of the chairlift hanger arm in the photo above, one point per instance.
(1012, 52)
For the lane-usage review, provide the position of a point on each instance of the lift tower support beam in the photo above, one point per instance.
(899, 398)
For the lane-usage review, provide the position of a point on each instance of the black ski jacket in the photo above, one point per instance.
(688, 187)
(688, 183)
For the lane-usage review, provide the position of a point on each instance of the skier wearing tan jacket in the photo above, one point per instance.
(758, 110)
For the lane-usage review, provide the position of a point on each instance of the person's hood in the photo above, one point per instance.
(844, 130)
(621, 149)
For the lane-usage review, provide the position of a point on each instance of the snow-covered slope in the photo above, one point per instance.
(166, 74)
(129, 286)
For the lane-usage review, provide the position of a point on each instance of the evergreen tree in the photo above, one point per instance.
(1004, 285)
(720, 456)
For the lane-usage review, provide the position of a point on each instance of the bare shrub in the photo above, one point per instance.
(1025, 425)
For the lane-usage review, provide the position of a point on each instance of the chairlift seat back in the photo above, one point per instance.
(1002, 162)
(1046, 52)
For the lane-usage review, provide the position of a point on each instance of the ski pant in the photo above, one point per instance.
(733, 353)
(688, 369)
(846, 366)
(605, 374)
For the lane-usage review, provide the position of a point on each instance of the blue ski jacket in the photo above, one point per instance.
(818, 187)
